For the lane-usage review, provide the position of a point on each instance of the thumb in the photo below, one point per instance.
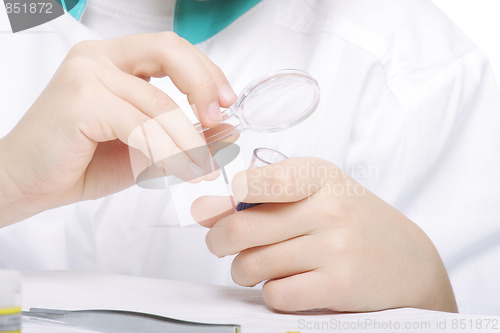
(290, 180)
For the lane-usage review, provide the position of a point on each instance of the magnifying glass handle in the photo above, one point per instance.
(226, 114)
(230, 118)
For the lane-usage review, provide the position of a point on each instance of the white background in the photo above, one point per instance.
(480, 20)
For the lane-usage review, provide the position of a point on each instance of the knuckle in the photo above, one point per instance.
(246, 269)
(332, 210)
(237, 229)
(211, 245)
(275, 296)
(205, 82)
(78, 65)
(82, 48)
(339, 243)
(167, 43)
(336, 174)
(168, 39)
(285, 180)
(75, 75)
(216, 240)
(318, 161)
(168, 35)
(82, 89)
(160, 101)
(215, 69)
(337, 210)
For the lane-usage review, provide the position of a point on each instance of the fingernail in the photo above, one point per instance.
(214, 112)
(227, 93)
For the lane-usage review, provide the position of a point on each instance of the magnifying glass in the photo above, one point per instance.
(271, 103)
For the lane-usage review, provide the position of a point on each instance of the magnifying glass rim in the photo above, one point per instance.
(258, 152)
(284, 73)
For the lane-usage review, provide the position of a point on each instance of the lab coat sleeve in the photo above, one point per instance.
(435, 145)
(439, 158)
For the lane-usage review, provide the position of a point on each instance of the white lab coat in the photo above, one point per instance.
(409, 107)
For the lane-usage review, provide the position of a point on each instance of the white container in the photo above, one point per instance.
(10, 301)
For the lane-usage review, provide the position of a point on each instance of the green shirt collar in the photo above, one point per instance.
(198, 20)
(194, 20)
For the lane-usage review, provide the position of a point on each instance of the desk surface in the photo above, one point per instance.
(212, 304)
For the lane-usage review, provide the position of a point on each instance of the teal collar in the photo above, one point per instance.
(194, 20)
(74, 7)
(198, 20)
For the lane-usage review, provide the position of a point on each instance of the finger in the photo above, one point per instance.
(217, 134)
(306, 291)
(295, 256)
(227, 96)
(261, 225)
(177, 163)
(168, 54)
(113, 118)
(145, 171)
(165, 112)
(208, 210)
(208, 177)
(176, 124)
(118, 119)
(290, 180)
(109, 171)
(212, 168)
(177, 167)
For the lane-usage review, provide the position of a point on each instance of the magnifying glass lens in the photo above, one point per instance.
(271, 103)
(278, 104)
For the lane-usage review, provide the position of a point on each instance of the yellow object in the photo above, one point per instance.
(10, 301)
(10, 311)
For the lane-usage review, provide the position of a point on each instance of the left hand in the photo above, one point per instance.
(323, 241)
(99, 123)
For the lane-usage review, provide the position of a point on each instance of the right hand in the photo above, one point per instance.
(72, 144)
(323, 241)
